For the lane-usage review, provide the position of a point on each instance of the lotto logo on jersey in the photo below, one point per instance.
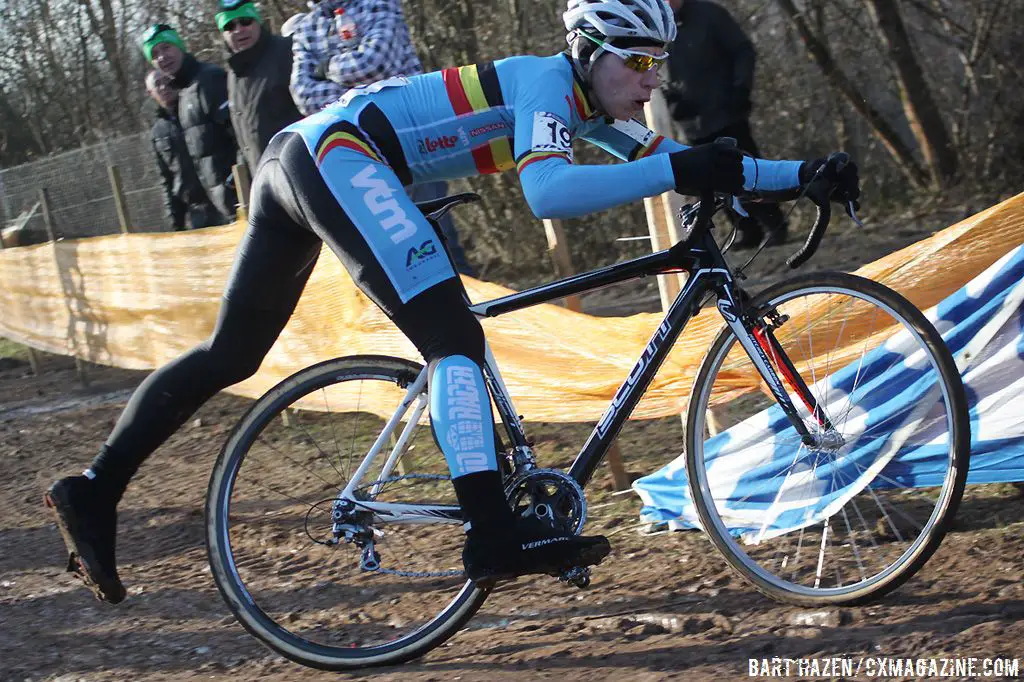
(378, 198)
(432, 144)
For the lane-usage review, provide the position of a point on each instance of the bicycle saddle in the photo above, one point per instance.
(434, 209)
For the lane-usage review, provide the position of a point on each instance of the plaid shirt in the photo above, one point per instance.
(384, 50)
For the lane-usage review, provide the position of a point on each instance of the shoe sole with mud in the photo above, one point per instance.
(82, 560)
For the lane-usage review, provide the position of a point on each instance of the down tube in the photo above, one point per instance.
(633, 388)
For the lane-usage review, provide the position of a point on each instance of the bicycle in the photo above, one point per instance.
(348, 485)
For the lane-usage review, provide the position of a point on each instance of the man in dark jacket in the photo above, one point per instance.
(185, 201)
(202, 113)
(259, 73)
(711, 76)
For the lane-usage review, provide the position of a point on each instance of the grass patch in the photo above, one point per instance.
(10, 349)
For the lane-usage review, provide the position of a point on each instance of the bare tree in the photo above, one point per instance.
(918, 104)
(819, 51)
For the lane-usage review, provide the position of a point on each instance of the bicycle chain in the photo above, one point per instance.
(398, 572)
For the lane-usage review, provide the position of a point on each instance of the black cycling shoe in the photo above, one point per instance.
(529, 547)
(87, 519)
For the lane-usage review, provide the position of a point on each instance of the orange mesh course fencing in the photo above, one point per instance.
(139, 300)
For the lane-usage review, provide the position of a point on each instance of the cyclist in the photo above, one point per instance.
(338, 176)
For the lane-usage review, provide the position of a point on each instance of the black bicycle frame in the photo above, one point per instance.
(699, 256)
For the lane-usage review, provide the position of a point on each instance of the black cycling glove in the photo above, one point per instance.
(715, 167)
(845, 182)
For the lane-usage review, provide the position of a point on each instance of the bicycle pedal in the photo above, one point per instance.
(578, 576)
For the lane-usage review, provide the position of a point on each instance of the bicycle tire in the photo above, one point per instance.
(911, 561)
(257, 622)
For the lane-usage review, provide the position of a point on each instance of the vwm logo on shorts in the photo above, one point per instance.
(378, 198)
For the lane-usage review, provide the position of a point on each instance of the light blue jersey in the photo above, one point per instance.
(521, 112)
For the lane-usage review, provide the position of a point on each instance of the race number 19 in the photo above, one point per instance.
(550, 134)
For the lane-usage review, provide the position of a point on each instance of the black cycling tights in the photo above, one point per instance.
(292, 213)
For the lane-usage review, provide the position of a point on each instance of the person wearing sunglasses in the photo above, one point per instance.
(338, 177)
(202, 112)
(259, 76)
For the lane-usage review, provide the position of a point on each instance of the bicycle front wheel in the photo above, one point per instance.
(852, 508)
(271, 538)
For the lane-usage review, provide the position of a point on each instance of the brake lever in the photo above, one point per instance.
(850, 211)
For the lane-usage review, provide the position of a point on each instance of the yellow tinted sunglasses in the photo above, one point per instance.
(641, 62)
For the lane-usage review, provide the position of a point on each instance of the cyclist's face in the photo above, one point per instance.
(167, 58)
(620, 90)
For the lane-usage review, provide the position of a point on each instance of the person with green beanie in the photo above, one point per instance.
(202, 111)
(259, 73)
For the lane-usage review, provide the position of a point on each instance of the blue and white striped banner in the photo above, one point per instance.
(751, 465)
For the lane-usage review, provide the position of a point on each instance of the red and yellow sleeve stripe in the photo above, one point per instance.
(532, 157)
(473, 89)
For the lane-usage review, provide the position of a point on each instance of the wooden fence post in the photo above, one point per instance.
(663, 223)
(559, 250)
(44, 202)
(122, 206)
(659, 119)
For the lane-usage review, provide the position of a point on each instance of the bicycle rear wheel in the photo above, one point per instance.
(851, 512)
(269, 511)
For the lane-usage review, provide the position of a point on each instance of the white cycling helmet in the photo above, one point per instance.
(623, 19)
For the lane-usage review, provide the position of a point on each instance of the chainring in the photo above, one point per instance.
(551, 495)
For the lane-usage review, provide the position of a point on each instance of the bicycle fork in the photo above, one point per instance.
(756, 334)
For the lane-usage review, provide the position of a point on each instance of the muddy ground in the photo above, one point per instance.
(662, 607)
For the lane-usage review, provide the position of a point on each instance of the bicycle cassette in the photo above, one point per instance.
(551, 495)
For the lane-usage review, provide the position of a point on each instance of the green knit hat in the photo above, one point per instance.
(236, 9)
(160, 33)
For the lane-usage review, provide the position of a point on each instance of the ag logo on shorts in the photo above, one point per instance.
(419, 254)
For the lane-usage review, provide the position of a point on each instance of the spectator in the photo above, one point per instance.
(325, 67)
(288, 27)
(259, 72)
(711, 75)
(202, 112)
(187, 204)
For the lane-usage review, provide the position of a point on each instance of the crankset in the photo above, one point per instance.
(552, 496)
